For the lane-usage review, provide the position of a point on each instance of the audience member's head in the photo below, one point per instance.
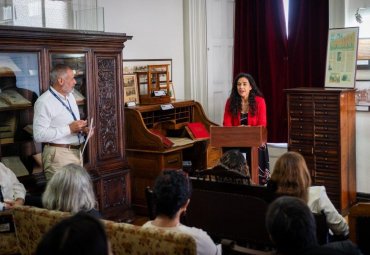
(291, 225)
(235, 160)
(291, 176)
(80, 234)
(69, 190)
(172, 191)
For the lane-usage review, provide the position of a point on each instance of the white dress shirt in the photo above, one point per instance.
(318, 201)
(204, 243)
(10, 186)
(51, 119)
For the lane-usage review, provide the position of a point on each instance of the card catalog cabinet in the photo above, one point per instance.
(321, 126)
(26, 57)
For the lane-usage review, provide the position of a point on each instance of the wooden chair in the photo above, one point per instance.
(229, 247)
(230, 211)
(359, 226)
(221, 174)
(322, 228)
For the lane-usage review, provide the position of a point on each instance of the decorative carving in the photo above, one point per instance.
(114, 192)
(107, 107)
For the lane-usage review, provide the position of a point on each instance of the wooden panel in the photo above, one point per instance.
(238, 136)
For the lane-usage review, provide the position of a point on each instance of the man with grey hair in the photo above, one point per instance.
(57, 123)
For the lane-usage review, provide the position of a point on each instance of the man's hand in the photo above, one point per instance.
(77, 126)
(8, 204)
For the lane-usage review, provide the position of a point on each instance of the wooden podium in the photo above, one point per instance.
(241, 136)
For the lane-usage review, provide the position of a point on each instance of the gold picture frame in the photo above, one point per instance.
(130, 88)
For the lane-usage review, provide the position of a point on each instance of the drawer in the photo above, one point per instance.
(327, 166)
(300, 143)
(326, 98)
(325, 121)
(173, 160)
(297, 126)
(327, 152)
(332, 144)
(326, 113)
(302, 150)
(300, 97)
(301, 135)
(298, 118)
(328, 136)
(326, 128)
(307, 105)
(326, 105)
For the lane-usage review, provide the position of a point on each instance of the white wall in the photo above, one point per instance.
(157, 30)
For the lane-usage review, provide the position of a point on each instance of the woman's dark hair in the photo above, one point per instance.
(235, 99)
(77, 235)
(171, 191)
(291, 225)
(234, 160)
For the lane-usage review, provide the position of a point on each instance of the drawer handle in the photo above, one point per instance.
(173, 161)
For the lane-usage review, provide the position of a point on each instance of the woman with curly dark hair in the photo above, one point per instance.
(246, 107)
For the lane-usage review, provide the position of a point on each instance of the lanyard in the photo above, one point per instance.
(68, 108)
(60, 100)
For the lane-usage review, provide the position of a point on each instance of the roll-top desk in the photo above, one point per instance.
(321, 126)
(147, 155)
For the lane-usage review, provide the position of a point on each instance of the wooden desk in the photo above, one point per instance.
(148, 156)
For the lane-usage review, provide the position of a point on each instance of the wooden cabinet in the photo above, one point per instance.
(321, 126)
(96, 58)
(148, 156)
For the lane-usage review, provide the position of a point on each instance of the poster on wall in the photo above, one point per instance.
(341, 57)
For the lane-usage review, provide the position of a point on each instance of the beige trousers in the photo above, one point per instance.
(53, 158)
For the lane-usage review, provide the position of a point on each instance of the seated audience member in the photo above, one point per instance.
(292, 229)
(172, 192)
(13, 192)
(235, 161)
(70, 190)
(292, 178)
(81, 234)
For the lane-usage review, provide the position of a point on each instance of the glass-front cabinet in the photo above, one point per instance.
(27, 55)
(19, 89)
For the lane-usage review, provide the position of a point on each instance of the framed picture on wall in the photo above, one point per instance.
(130, 88)
(341, 57)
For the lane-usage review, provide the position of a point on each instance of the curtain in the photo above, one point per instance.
(308, 32)
(262, 49)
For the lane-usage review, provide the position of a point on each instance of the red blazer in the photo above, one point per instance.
(259, 119)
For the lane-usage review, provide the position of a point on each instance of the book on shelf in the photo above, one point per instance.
(7, 140)
(197, 130)
(78, 96)
(15, 164)
(166, 142)
(8, 125)
(13, 98)
(29, 129)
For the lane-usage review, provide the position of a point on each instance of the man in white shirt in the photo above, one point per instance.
(12, 190)
(57, 123)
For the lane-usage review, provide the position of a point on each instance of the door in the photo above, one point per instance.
(220, 47)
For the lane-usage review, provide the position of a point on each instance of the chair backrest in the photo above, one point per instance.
(131, 239)
(231, 211)
(322, 228)
(221, 174)
(359, 226)
(8, 238)
(31, 223)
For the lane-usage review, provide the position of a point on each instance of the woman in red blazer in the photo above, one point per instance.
(246, 106)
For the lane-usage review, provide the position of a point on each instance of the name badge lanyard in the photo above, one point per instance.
(68, 108)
